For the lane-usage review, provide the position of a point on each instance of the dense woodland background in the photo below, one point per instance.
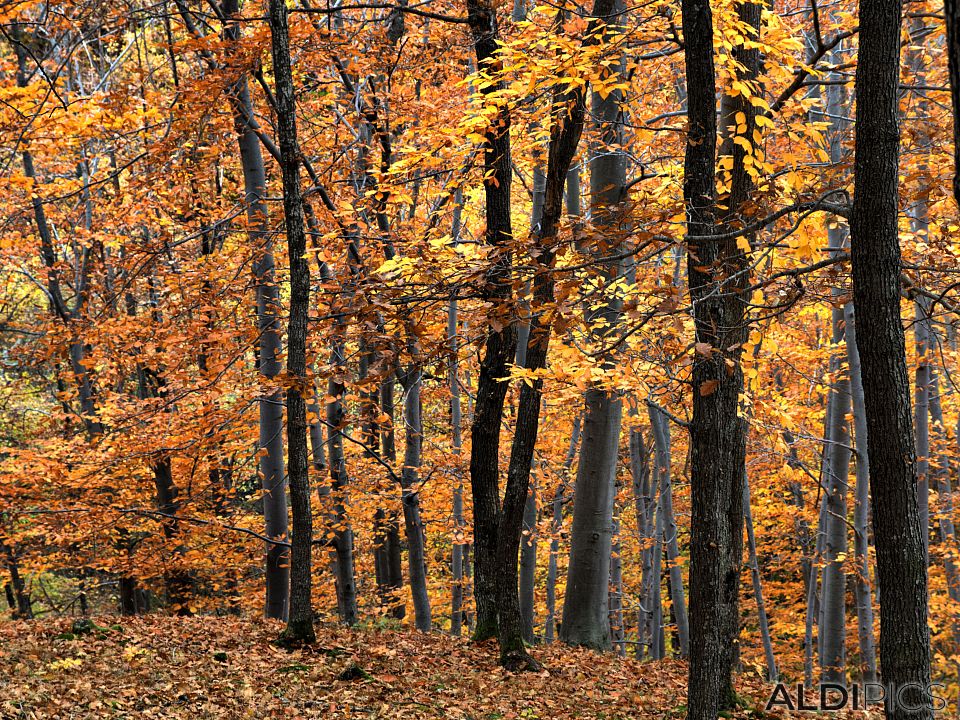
(542, 296)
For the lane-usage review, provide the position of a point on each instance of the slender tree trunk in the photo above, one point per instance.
(339, 480)
(951, 13)
(660, 426)
(832, 634)
(412, 380)
(921, 425)
(862, 592)
(389, 554)
(456, 419)
(17, 595)
(500, 344)
(528, 565)
(655, 593)
(813, 584)
(551, 623)
(772, 674)
(300, 624)
(644, 496)
(616, 591)
(268, 351)
(875, 258)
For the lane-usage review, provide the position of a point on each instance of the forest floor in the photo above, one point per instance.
(165, 667)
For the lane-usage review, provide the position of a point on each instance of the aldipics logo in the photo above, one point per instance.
(830, 697)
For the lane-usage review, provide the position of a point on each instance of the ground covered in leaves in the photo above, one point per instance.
(164, 667)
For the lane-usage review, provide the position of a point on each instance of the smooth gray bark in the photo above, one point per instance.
(456, 419)
(831, 638)
(617, 636)
(862, 591)
(270, 404)
(412, 381)
(772, 674)
(660, 426)
(586, 619)
(556, 524)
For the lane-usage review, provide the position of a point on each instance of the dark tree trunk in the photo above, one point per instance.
(343, 532)
(300, 623)
(875, 257)
(951, 12)
(501, 340)
(17, 596)
(528, 566)
(717, 433)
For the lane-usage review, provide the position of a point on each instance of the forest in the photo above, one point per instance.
(479, 359)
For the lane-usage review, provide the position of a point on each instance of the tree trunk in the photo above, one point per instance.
(832, 634)
(660, 426)
(644, 497)
(388, 552)
(951, 12)
(300, 624)
(501, 339)
(586, 616)
(586, 619)
(617, 636)
(412, 380)
(716, 274)
(754, 563)
(875, 258)
(17, 595)
(456, 418)
(921, 424)
(863, 594)
(557, 523)
(268, 325)
(528, 565)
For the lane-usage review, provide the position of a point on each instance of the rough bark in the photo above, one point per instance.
(717, 433)
(875, 258)
(951, 12)
(300, 623)
(501, 339)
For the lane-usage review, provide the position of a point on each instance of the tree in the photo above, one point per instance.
(876, 265)
(300, 623)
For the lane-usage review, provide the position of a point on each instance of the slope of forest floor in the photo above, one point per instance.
(165, 667)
